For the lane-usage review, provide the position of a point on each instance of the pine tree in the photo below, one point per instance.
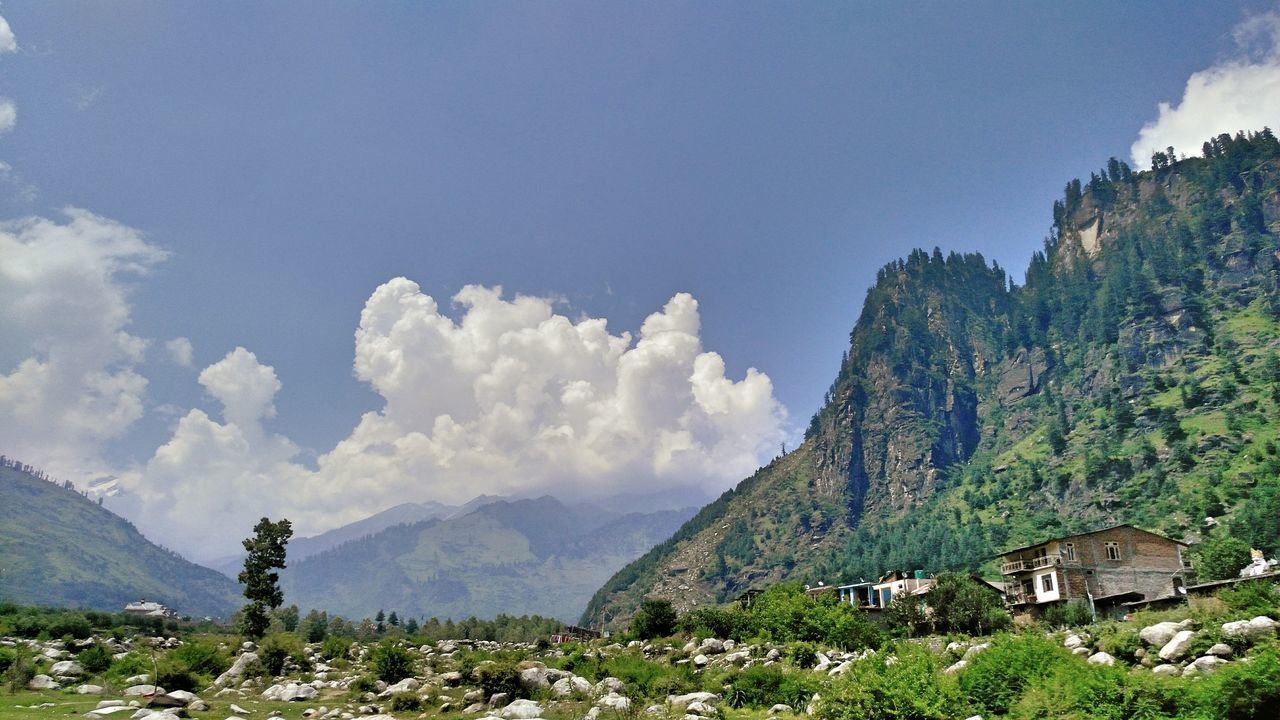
(266, 551)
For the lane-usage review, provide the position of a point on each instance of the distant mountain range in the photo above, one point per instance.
(60, 548)
(532, 556)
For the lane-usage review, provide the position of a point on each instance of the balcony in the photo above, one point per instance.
(1022, 598)
(1017, 566)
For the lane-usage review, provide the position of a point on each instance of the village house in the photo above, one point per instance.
(878, 595)
(1106, 569)
(143, 608)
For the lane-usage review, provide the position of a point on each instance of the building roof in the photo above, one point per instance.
(1091, 532)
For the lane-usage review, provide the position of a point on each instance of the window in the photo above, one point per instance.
(1070, 552)
(1113, 550)
(1046, 583)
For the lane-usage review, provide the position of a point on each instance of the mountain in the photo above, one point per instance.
(1133, 377)
(402, 514)
(59, 548)
(533, 556)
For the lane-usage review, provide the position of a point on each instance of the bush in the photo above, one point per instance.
(406, 702)
(1071, 614)
(201, 659)
(1081, 690)
(172, 674)
(1242, 690)
(655, 618)
(277, 648)
(335, 647)
(94, 659)
(761, 686)
(912, 687)
(70, 624)
(1121, 642)
(715, 622)
(500, 677)
(802, 654)
(390, 662)
(638, 674)
(7, 657)
(20, 671)
(1253, 598)
(994, 679)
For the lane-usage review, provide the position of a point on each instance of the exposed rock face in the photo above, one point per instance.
(1253, 630)
(238, 668)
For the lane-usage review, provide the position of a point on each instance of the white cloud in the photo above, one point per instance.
(1242, 93)
(8, 115)
(512, 398)
(8, 43)
(180, 351)
(67, 366)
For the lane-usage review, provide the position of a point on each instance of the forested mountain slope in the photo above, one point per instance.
(59, 548)
(1134, 377)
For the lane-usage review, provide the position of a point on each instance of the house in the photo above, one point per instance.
(142, 608)
(878, 595)
(1105, 569)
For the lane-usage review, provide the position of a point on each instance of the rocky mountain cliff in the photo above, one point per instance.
(59, 548)
(517, 557)
(1133, 377)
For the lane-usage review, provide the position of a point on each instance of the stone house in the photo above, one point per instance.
(1105, 569)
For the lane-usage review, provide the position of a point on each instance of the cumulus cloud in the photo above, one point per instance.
(67, 366)
(8, 115)
(8, 43)
(180, 351)
(512, 398)
(1241, 93)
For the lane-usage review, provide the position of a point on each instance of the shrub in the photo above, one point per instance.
(277, 648)
(390, 662)
(713, 622)
(406, 702)
(134, 663)
(94, 659)
(335, 647)
(761, 686)
(1243, 690)
(802, 654)
(72, 624)
(994, 679)
(1081, 690)
(638, 674)
(1121, 642)
(1253, 598)
(20, 671)
(911, 687)
(7, 657)
(172, 674)
(201, 659)
(655, 618)
(500, 677)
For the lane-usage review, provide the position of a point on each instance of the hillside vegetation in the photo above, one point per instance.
(59, 548)
(1134, 377)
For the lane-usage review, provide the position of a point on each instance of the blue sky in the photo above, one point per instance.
(288, 159)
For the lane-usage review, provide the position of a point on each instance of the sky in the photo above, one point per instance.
(315, 259)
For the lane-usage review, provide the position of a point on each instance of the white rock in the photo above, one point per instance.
(614, 701)
(1101, 658)
(780, 708)
(711, 646)
(1072, 642)
(968, 654)
(67, 667)
(608, 685)
(103, 712)
(42, 683)
(1208, 664)
(1259, 628)
(701, 660)
(700, 709)
(89, 690)
(737, 658)
(1177, 646)
(565, 687)
(238, 668)
(956, 667)
(684, 700)
(521, 710)
(534, 678)
(136, 690)
(184, 696)
(1160, 634)
(1166, 669)
(238, 710)
(1222, 650)
(1081, 651)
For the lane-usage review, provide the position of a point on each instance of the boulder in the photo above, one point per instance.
(521, 710)
(566, 687)
(684, 700)
(534, 678)
(89, 690)
(956, 667)
(1177, 645)
(711, 646)
(43, 682)
(1208, 664)
(1072, 642)
(608, 685)
(700, 709)
(1258, 628)
(1160, 634)
(780, 708)
(238, 710)
(1081, 651)
(737, 658)
(968, 654)
(840, 669)
(67, 668)
(184, 696)
(112, 711)
(404, 686)
(238, 668)
(1221, 650)
(614, 701)
(1101, 658)
(1166, 669)
(137, 690)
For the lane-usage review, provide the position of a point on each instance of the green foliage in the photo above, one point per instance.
(1243, 691)
(655, 618)
(500, 677)
(1080, 690)
(406, 702)
(785, 613)
(912, 688)
(1220, 557)
(335, 647)
(905, 615)
(802, 654)
(201, 658)
(761, 686)
(1121, 642)
(94, 659)
(960, 604)
(1253, 598)
(275, 649)
(266, 552)
(21, 668)
(1070, 614)
(390, 661)
(994, 679)
(713, 621)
